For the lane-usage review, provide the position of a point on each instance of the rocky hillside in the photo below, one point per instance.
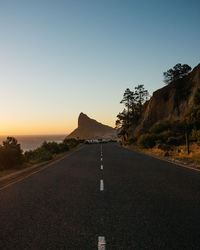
(91, 129)
(170, 102)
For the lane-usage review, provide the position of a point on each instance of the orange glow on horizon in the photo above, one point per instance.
(35, 129)
(31, 126)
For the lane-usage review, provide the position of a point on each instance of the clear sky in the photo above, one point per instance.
(62, 57)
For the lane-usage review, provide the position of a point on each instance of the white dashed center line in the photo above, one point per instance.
(101, 243)
(101, 239)
(101, 185)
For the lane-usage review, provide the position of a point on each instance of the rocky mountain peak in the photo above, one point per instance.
(91, 129)
(83, 119)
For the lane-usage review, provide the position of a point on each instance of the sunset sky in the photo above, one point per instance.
(60, 58)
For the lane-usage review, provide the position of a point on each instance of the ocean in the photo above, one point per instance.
(30, 142)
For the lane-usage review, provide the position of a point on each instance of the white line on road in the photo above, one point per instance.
(101, 166)
(101, 243)
(101, 151)
(101, 158)
(101, 185)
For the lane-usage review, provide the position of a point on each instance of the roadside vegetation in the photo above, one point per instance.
(177, 139)
(12, 156)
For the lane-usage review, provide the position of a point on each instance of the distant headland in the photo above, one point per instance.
(91, 129)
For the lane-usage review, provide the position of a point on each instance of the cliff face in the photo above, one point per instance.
(91, 129)
(170, 102)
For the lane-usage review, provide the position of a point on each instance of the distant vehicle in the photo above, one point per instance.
(96, 141)
(91, 141)
(104, 141)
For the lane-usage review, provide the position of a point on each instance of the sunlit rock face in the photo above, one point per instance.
(91, 129)
(170, 102)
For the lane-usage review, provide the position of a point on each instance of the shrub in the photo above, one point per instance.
(71, 143)
(147, 141)
(176, 141)
(10, 154)
(160, 127)
(168, 128)
(38, 155)
(195, 135)
(163, 137)
(172, 141)
(132, 140)
(63, 147)
(51, 147)
(48, 150)
(164, 147)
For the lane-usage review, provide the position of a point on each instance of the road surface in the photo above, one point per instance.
(120, 198)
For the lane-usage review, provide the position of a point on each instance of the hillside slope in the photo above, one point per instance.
(170, 102)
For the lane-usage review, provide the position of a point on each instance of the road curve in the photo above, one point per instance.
(124, 199)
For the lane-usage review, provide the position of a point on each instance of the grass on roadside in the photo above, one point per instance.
(178, 153)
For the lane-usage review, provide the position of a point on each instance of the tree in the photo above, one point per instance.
(122, 120)
(133, 102)
(127, 97)
(11, 143)
(10, 154)
(140, 95)
(177, 72)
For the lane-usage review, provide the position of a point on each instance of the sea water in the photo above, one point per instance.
(30, 142)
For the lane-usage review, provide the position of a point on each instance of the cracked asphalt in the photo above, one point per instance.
(146, 204)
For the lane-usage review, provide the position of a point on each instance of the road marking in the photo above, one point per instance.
(101, 243)
(101, 151)
(101, 167)
(101, 185)
(101, 158)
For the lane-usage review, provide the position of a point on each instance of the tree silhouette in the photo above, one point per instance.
(133, 104)
(140, 95)
(177, 72)
(10, 154)
(127, 98)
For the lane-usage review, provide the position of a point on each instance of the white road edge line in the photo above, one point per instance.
(101, 167)
(101, 185)
(101, 243)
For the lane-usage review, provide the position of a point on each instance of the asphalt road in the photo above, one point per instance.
(145, 204)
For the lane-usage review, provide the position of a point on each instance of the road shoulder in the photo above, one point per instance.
(19, 175)
(170, 160)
